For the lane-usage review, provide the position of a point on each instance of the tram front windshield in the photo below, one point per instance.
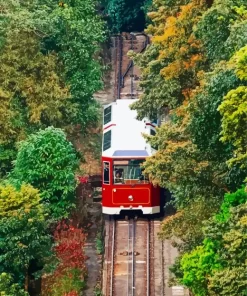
(129, 172)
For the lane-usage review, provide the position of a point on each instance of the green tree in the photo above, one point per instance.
(234, 112)
(197, 266)
(31, 87)
(226, 22)
(231, 200)
(185, 228)
(170, 64)
(232, 253)
(76, 37)
(49, 69)
(23, 238)
(12, 200)
(23, 230)
(126, 15)
(223, 252)
(8, 287)
(188, 70)
(47, 161)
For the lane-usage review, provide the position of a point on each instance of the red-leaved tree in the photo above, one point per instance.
(69, 277)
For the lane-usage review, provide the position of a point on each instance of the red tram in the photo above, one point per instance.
(124, 149)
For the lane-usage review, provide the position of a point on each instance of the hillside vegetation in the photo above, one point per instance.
(49, 72)
(196, 66)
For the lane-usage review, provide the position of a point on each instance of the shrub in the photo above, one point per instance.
(8, 287)
(48, 161)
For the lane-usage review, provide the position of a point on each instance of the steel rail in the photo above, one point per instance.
(148, 259)
(120, 67)
(126, 72)
(112, 256)
(131, 63)
(162, 269)
(151, 259)
(108, 256)
(133, 239)
(128, 259)
(130, 265)
(132, 72)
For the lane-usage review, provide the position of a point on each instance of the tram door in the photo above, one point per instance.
(106, 183)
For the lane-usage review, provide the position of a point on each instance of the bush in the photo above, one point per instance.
(231, 200)
(8, 287)
(48, 161)
(23, 230)
(68, 279)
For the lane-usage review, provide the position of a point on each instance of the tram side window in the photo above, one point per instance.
(106, 174)
(107, 141)
(155, 121)
(107, 115)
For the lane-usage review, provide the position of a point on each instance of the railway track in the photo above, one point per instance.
(132, 269)
(156, 261)
(136, 262)
(126, 73)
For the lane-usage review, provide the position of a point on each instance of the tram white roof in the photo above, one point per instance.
(124, 131)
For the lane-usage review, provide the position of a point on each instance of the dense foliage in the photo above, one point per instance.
(126, 15)
(196, 67)
(48, 161)
(12, 200)
(8, 288)
(69, 275)
(23, 230)
(223, 253)
(49, 71)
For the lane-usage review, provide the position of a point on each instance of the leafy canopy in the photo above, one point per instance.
(234, 112)
(126, 15)
(195, 69)
(8, 288)
(49, 69)
(222, 253)
(23, 230)
(47, 161)
(12, 200)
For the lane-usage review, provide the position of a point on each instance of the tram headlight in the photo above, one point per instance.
(130, 197)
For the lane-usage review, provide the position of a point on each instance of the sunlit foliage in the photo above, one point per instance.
(8, 287)
(23, 230)
(195, 67)
(234, 112)
(48, 161)
(49, 69)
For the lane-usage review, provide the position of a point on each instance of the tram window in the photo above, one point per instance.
(107, 115)
(106, 174)
(107, 141)
(155, 121)
(129, 172)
